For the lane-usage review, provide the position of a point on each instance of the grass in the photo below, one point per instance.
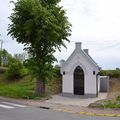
(22, 88)
(113, 97)
(111, 104)
(25, 87)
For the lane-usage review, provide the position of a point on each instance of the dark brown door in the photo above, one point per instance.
(79, 81)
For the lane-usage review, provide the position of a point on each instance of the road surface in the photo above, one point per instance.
(13, 111)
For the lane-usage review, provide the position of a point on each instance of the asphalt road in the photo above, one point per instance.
(13, 111)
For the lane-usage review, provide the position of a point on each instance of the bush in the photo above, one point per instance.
(15, 69)
(118, 98)
(110, 104)
(56, 73)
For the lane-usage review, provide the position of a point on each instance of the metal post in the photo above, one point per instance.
(1, 44)
(1, 52)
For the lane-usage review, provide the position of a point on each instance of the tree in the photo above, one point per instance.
(4, 57)
(42, 26)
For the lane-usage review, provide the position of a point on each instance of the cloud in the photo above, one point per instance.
(5, 11)
(96, 23)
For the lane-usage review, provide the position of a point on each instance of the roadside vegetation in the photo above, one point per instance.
(17, 82)
(112, 104)
(113, 97)
(19, 85)
(111, 73)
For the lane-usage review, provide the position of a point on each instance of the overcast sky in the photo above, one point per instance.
(95, 23)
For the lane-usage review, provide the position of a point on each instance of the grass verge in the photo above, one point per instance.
(22, 88)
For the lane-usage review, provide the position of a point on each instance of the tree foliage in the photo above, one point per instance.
(42, 26)
(4, 57)
(15, 69)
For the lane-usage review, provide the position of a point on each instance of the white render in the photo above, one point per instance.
(80, 58)
(103, 83)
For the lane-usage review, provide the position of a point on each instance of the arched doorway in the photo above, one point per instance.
(79, 81)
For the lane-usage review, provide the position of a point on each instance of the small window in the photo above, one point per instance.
(93, 72)
(63, 72)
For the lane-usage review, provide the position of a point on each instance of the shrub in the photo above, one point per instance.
(111, 73)
(15, 69)
(118, 98)
(56, 73)
(110, 104)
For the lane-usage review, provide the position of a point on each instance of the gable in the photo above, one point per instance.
(77, 55)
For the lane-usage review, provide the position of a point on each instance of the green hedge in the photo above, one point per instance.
(111, 73)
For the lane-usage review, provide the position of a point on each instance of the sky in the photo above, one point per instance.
(95, 23)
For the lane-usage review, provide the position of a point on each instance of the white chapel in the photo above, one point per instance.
(80, 74)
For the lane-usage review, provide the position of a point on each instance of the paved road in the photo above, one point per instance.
(13, 111)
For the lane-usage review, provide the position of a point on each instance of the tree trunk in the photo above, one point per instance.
(40, 86)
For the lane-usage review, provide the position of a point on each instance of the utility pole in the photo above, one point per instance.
(1, 51)
(1, 44)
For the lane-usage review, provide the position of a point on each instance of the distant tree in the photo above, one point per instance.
(117, 68)
(42, 26)
(21, 56)
(4, 57)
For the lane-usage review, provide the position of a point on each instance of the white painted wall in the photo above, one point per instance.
(78, 58)
(67, 86)
(98, 83)
(103, 83)
(90, 84)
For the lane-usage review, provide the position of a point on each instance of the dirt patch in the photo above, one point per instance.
(114, 89)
